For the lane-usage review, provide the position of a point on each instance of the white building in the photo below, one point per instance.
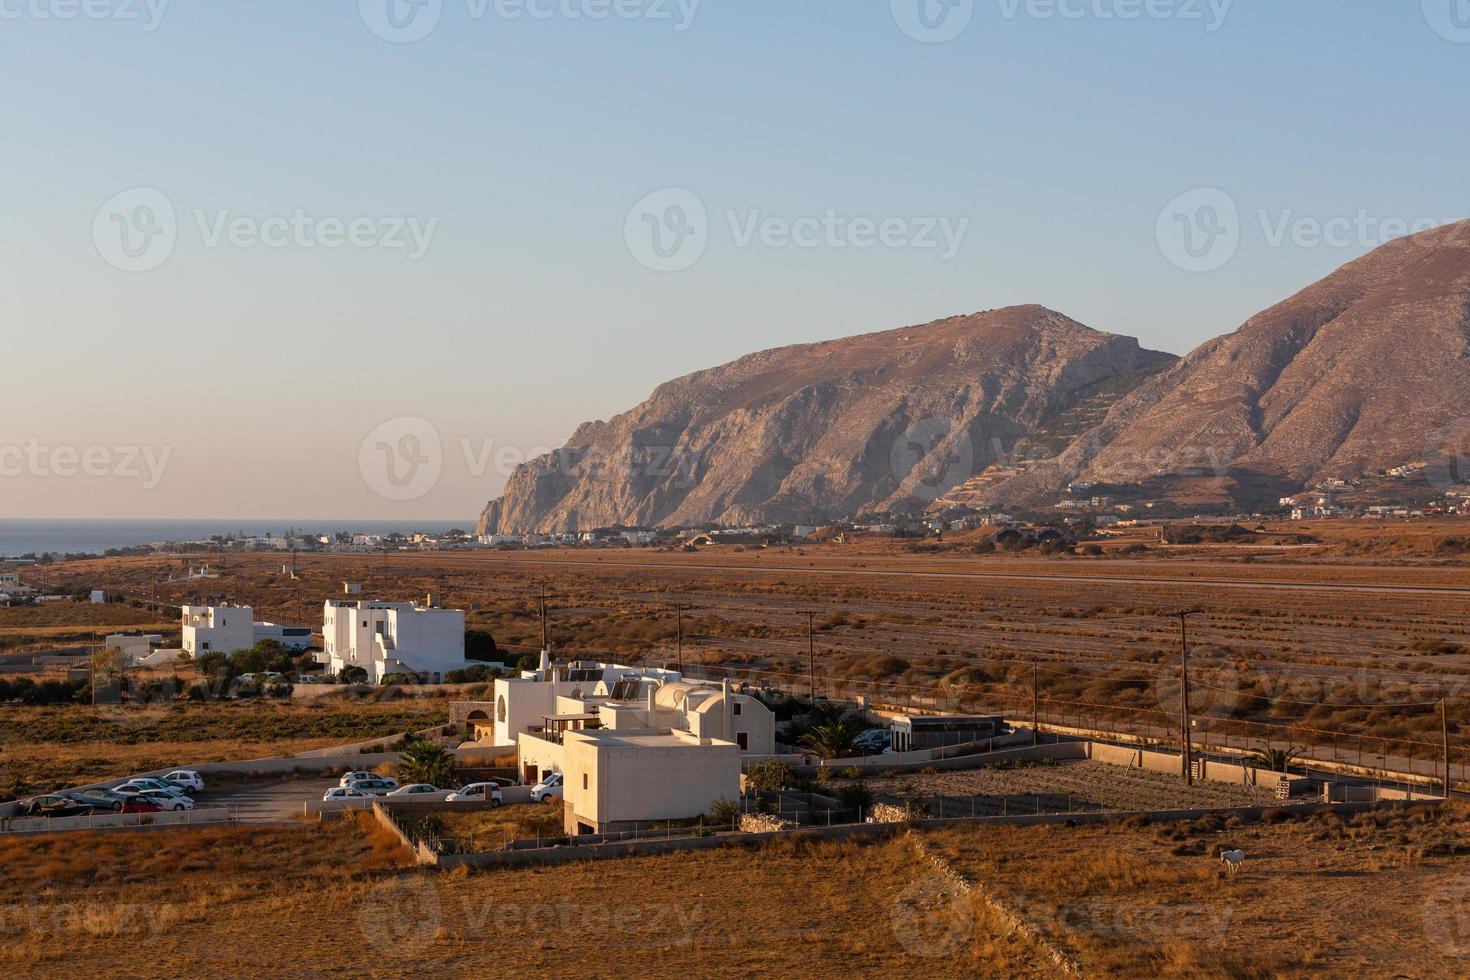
(225, 629)
(393, 638)
(614, 780)
(134, 647)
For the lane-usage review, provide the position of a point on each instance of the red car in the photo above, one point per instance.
(137, 804)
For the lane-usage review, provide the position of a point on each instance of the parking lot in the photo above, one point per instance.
(259, 801)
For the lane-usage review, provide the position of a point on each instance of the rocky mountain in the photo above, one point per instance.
(1354, 374)
(885, 421)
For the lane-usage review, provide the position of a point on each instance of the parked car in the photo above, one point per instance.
(415, 789)
(186, 779)
(98, 799)
(342, 793)
(476, 793)
(349, 778)
(550, 786)
(155, 782)
(377, 786)
(133, 786)
(140, 804)
(54, 805)
(165, 801)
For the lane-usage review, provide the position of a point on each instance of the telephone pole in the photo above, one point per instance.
(1188, 761)
(1444, 727)
(679, 625)
(811, 655)
(1035, 686)
(544, 644)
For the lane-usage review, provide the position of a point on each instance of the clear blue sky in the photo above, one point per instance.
(261, 370)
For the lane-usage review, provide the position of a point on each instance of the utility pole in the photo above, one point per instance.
(1035, 686)
(1184, 615)
(811, 655)
(544, 644)
(679, 625)
(1444, 727)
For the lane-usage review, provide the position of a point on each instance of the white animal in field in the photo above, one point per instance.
(1232, 860)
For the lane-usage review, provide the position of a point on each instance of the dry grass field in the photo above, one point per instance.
(1282, 627)
(300, 901)
(47, 748)
(1066, 787)
(1383, 894)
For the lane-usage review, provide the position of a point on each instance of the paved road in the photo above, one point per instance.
(258, 802)
(1186, 583)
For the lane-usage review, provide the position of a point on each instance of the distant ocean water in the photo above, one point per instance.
(23, 536)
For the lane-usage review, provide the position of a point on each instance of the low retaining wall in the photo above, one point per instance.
(104, 821)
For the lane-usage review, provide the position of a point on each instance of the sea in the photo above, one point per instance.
(25, 536)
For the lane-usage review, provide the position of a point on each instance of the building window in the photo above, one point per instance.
(735, 708)
(742, 740)
(584, 780)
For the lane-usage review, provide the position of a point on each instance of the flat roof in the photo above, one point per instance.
(644, 739)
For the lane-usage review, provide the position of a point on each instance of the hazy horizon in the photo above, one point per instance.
(363, 258)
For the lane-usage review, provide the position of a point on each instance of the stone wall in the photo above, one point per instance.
(763, 823)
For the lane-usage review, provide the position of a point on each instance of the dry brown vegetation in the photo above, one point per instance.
(969, 629)
(42, 749)
(293, 901)
(1381, 893)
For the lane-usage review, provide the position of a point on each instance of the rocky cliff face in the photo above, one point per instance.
(886, 421)
(1353, 374)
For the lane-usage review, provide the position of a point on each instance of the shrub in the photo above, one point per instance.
(770, 776)
(724, 813)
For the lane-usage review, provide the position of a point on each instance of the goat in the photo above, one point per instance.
(1232, 860)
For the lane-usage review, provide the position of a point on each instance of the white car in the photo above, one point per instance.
(476, 793)
(416, 789)
(133, 786)
(550, 786)
(349, 778)
(376, 786)
(165, 800)
(186, 779)
(342, 793)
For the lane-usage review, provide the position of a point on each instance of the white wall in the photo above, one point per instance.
(610, 780)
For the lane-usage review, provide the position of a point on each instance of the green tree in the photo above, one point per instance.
(425, 762)
(832, 739)
(770, 776)
(1273, 759)
(352, 675)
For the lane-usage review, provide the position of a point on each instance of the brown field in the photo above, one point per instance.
(293, 901)
(42, 749)
(1380, 893)
(1342, 646)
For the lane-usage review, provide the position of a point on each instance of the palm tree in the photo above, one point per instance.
(425, 762)
(832, 739)
(1273, 760)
